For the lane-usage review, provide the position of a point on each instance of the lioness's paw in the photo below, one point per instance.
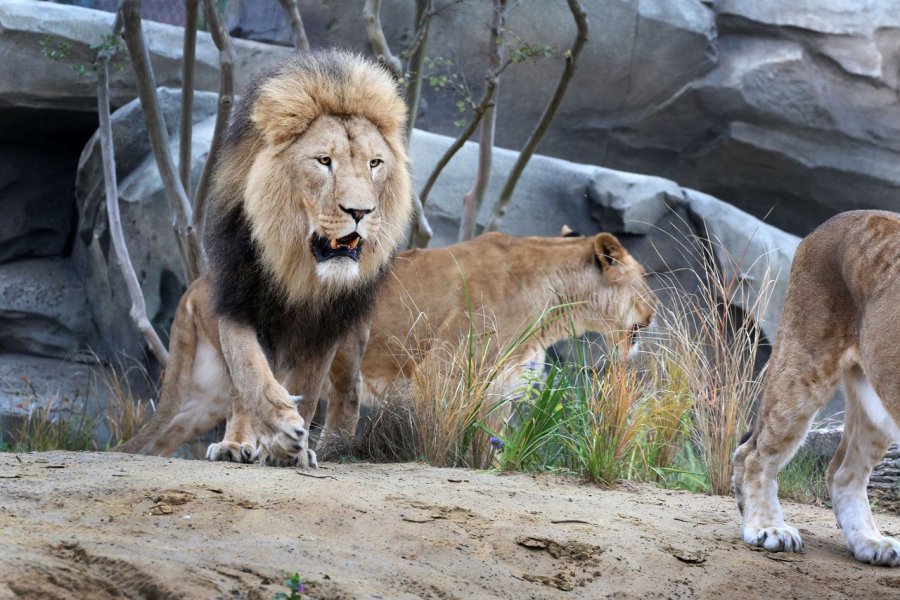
(774, 539)
(231, 452)
(880, 550)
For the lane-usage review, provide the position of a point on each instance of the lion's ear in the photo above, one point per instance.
(565, 231)
(608, 250)
(280, 114)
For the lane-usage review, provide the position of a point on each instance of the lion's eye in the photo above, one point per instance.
(375, 162)
(324, 160)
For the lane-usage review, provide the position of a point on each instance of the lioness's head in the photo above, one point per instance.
(617, 302)
(324, 172)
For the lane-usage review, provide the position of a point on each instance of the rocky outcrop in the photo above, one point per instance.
(146, 220)
(49, 43)
(44, 310)
(789, 111)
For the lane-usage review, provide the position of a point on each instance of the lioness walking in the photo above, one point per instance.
(839, 323)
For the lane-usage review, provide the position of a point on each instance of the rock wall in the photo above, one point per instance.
(787, 110)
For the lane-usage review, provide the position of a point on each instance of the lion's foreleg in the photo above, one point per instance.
(862, 446)
(269, 410)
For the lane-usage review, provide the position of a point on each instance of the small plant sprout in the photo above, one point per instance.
(296, 585)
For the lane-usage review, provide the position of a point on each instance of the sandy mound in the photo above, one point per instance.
(112, 526)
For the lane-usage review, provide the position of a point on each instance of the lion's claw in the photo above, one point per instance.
(231, 452)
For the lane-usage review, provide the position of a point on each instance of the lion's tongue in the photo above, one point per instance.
(349, 241)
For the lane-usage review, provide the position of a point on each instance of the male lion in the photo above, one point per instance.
(840, 322)
(509, 280)
(311, 198)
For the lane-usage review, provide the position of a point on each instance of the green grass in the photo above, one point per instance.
(804, 479)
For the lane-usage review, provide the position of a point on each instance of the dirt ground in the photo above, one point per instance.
(91, 525)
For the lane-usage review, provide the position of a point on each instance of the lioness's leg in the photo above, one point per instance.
(346, 384)
(269, 410)
(794, 391)
(196, 392)
(862, 446)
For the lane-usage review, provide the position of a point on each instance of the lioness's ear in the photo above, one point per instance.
(608, 250)
(565, 231)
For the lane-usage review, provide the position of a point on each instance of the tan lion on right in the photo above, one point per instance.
(841, 322)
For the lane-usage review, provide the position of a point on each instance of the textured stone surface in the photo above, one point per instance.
(44, 310)
(29, 28)
(27, 382)
(789, 111)
(35, 199)
(146, 221)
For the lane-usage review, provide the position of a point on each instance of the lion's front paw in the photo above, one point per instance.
(774, 539)
(285, 441)
(231, 452)
(876, 550)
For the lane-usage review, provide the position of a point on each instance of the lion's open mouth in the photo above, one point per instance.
(348, 246)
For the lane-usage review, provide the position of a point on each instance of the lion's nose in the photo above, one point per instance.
(356, 213)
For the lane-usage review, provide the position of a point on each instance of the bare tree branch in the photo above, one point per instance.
(138, 310)
(372, 17)
(301, 42)
(474, 198)
(487, 100)
(416, 63)
(187, 94)
(188, 242)
(223, 115)
(581, 21)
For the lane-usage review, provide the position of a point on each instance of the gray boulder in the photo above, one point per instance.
(30, 30)
(44, 310)
(65, 389)
(146, 221)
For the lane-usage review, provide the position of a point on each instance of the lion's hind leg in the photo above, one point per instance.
(791, 399)
(862, 446)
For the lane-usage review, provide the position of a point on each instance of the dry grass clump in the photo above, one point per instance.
(672, 414)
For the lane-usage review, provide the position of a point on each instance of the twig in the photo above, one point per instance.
(474, 198)
(223, 114)
(301, 42)
(187, 94)
(487, 100)
(422, 233)
(372, 18)
(138, 310)
(303, 473)
(188, 243)
(581, 21)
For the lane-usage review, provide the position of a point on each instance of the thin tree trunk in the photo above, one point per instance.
(138, 310)
(187, 94)
(301, 42)
(487, 100)
(475, 197)
(223, 115)
(372, 18)
(188, 242)
(581, 21)
(416, 63)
